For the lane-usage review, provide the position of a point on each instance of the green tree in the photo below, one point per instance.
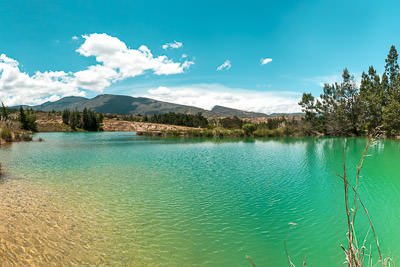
(65, 116)
(391, 112)
(4, 112)
(372, 101)
(392, 65)
(22, 118)
(307, 106)
(27, 119)
(74, 119)
(101, 117)
(249, 129)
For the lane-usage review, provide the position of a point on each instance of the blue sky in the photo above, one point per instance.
(309, 42)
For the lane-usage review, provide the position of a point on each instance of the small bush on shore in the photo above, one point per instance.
(23, 137)
(6, 134)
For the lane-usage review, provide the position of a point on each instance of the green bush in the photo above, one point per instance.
(249, 129)
(6, 133)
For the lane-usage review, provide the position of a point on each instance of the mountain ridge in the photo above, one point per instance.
(122, 104)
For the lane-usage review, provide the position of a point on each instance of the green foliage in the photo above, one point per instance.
(65, 116)
(307, 104)
(231, 123)
(74, 119)
(179, 119)
(88, 120)
(345, 109)
(249, 129)
(4, 112)
(27, 119)
(6, 133)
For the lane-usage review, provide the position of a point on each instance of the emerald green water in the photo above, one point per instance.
(146, 201)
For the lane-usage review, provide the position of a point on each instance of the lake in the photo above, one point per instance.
(120, 199)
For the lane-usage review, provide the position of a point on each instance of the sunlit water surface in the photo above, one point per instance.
(119, 199)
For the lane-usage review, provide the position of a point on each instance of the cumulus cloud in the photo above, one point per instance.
(265, 61)
(17, 87)
(115, 61)
(172, 45)
(225, 66)
(75, 37)
(208, 95)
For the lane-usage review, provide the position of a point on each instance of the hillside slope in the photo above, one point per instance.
(121, 104)
(226, 112)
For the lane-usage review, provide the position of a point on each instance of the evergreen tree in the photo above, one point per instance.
(307, 104)
(22, 118)
(74, 119)
(392, 66)
(27, 119)
(4, 113)
(85, 119)
(66, 116)
(391, 112)
(372, 101)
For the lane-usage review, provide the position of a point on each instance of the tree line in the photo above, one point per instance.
(87, 119)
(346, 109)
(189, 120)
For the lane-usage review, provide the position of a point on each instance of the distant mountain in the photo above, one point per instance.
(60, 104)
(226, 112)
(121, 104)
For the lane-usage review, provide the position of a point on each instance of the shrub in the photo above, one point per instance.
(6, 134)
(249, 129)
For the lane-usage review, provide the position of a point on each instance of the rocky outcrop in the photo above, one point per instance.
(111, 125)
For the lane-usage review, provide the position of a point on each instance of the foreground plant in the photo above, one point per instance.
(356, 252)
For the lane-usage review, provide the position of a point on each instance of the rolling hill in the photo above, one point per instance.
(121, 104)
(221, 111)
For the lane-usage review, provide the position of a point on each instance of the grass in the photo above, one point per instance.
(6, 133)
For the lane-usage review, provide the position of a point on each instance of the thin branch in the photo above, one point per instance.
(369, 218)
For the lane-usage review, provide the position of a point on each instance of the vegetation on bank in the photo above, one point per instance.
(236, 127)
(346, 109)
(16, 128)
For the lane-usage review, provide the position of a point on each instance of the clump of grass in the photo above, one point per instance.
(6, 133)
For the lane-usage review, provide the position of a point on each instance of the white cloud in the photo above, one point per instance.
(208, 95)
(95, 78)
(173, 45)
(75, 37)
(225, 66)
(114, 54)
(265, 61)
(115, 62)
(17, 87)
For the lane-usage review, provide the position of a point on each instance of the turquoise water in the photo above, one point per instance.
(200, 202)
